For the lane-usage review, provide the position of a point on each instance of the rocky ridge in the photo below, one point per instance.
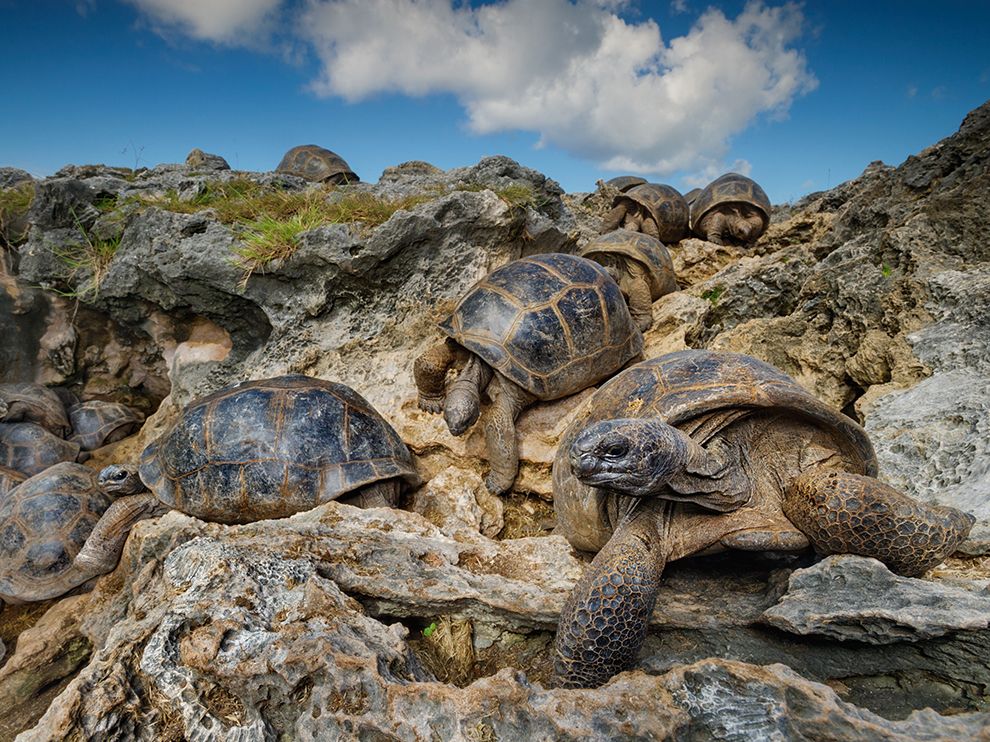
(319, 625)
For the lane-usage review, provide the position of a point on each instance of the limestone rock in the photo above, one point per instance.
(856, 598)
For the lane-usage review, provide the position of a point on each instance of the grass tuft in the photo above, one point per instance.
(14, 204)
(713, 294)
(90, 257)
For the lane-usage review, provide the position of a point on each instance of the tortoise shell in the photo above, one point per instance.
(34, 403)
(625, 182)
(317, 164)
(645, 250)
(96, 423)
(271, 448)
(553, 324)
(30, 449)
(727, 189)
(44, 522)
(692, 196)
(665, 204)
(700, 392)
(9, 478)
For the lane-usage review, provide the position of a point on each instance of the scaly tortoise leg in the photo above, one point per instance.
(384, 494)
(508, 400)
(613, 220)
(604, 621)
(650, 227)
(640, 301)
(713, 227)
(430, 373)
(844, 513)
(463, 404)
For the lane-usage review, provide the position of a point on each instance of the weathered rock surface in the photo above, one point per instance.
(856, 598)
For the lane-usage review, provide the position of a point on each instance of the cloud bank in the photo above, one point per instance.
(574, 71)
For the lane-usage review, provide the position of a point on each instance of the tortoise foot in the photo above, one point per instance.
(498, 484)
(845, 513)
(430, 403)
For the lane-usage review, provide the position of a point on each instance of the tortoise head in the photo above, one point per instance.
(635, 457)
(746, 222)
(118, 480)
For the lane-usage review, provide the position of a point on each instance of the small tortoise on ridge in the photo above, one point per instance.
(33, 403)
(654, 209)
(317, 164)
(640, 264)
(538, 328)
(97, 423)
(732, 208)
(696, 452)
(623, 183)
(30, 449)
(261, 449)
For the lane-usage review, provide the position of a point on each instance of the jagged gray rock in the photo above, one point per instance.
(857, 598)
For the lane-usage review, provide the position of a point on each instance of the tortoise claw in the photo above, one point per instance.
(430, 404)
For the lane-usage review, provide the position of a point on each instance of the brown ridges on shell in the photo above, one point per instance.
(30, 448)
(34, 403)
(97, 423)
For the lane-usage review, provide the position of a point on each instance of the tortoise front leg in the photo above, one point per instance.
(844, 513)
(640, 300)
(712, 228)
(650, 227)
(613, 220)
(508, 400)
(430, 373)
(604, 621)
(463, 405)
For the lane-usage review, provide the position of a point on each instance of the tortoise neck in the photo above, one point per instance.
(713, 476)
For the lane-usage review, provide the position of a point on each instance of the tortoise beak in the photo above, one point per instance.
(583, 464)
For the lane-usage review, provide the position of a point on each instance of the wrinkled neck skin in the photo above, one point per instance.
(117, 481)
(648, 458)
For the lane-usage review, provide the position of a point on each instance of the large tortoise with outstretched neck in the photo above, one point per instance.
(538, 328)
(317, 164)
(732, 209)
(696, 452)
(261, 449)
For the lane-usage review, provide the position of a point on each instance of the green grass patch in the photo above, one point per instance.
(713, 294)
(91, 258)
(886, 270)
(14, 204)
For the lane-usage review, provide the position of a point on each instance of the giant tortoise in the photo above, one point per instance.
(317, 164)
(538, 328)
(699, 451)
(256, 450)
(731, 209)
(640, 264)
(653, 208)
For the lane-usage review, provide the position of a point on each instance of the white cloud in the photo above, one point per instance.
(678, 6)
(581, 76)
(226, 21)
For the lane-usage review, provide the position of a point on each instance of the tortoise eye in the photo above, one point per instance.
(120, 475)
(616, 449)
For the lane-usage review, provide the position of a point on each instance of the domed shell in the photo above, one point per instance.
(730, 188)
(34, 403)
(667, 206)
(684, 389)
(625, 182)
(317, 164)
(645, 250)
(96, 423)
(44, 522)
(30, 449)
(692, 196)
(271, 448)
(554, 324)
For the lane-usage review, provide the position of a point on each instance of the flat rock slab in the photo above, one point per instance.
(857, 598)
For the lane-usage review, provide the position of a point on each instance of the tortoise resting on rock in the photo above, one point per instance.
(652, 208)
(697, 452)
(538, 328)
(30, 448)
(261, 449)
(33, 403)
(317, 164)
(97, 423)
(731, 209)
(640, 264)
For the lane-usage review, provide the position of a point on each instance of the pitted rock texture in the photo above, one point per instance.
(857, 598)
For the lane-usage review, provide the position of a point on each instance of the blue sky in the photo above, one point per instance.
(803, 96)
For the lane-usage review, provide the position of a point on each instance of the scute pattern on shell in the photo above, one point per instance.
(30, 449)
(317, 164)
(96, 422)
(271, 448)
(665, 204)
(45, 521)
(625, 182)
(34, 403)
(9, 478)
(730, 188)
(681, 389)
(645, 250)
(552, 323)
